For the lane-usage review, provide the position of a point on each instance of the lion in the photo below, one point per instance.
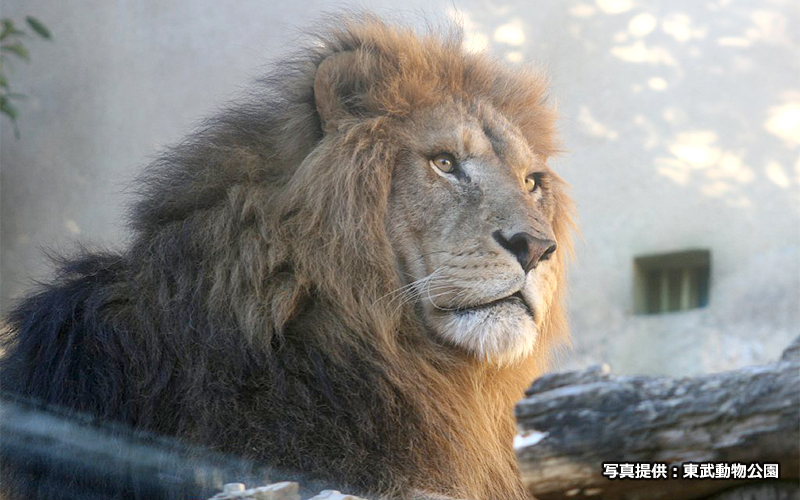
(354, 274)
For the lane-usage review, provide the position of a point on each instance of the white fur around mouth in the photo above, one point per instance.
(500, 331)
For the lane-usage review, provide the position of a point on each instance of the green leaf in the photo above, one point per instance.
(3, 81)
(8, 29)
(7, 109)
(17, 49)
(39, 27)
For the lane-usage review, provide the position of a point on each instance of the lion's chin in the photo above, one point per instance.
(502, 334)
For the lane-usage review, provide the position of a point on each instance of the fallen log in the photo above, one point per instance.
(590, 434)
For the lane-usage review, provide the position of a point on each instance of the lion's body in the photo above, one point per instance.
(249, 313)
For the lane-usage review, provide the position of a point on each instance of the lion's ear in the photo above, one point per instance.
(340, 87)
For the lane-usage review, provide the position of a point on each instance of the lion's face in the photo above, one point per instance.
(470, 220)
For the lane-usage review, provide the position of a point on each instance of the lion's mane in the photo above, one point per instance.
(246, 314)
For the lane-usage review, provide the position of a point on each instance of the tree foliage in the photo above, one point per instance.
(12, 46)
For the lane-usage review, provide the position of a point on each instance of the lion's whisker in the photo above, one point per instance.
(410, 291)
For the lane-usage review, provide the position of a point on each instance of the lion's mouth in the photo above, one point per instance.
(515, 298)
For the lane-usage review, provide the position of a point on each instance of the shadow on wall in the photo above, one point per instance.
(680, 70)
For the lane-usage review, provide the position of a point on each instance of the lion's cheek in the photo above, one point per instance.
(540, 290)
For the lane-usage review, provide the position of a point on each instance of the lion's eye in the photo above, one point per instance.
(532, 183)
(444, 162)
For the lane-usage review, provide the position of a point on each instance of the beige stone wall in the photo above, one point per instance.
(681, 126)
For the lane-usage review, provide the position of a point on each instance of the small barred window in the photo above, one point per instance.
(672, 282)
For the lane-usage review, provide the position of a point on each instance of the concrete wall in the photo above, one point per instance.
(681, 121)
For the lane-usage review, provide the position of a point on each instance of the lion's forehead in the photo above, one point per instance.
(508, 144)
(475, 132)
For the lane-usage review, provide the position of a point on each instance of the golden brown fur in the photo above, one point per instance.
(255, 310)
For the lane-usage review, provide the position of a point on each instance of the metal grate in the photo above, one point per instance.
(672, 282)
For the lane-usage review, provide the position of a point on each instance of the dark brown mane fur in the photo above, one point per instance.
(246, 313)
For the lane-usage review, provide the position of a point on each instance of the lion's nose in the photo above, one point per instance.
(529, 250)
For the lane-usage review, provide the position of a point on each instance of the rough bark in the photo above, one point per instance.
(572, 423)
